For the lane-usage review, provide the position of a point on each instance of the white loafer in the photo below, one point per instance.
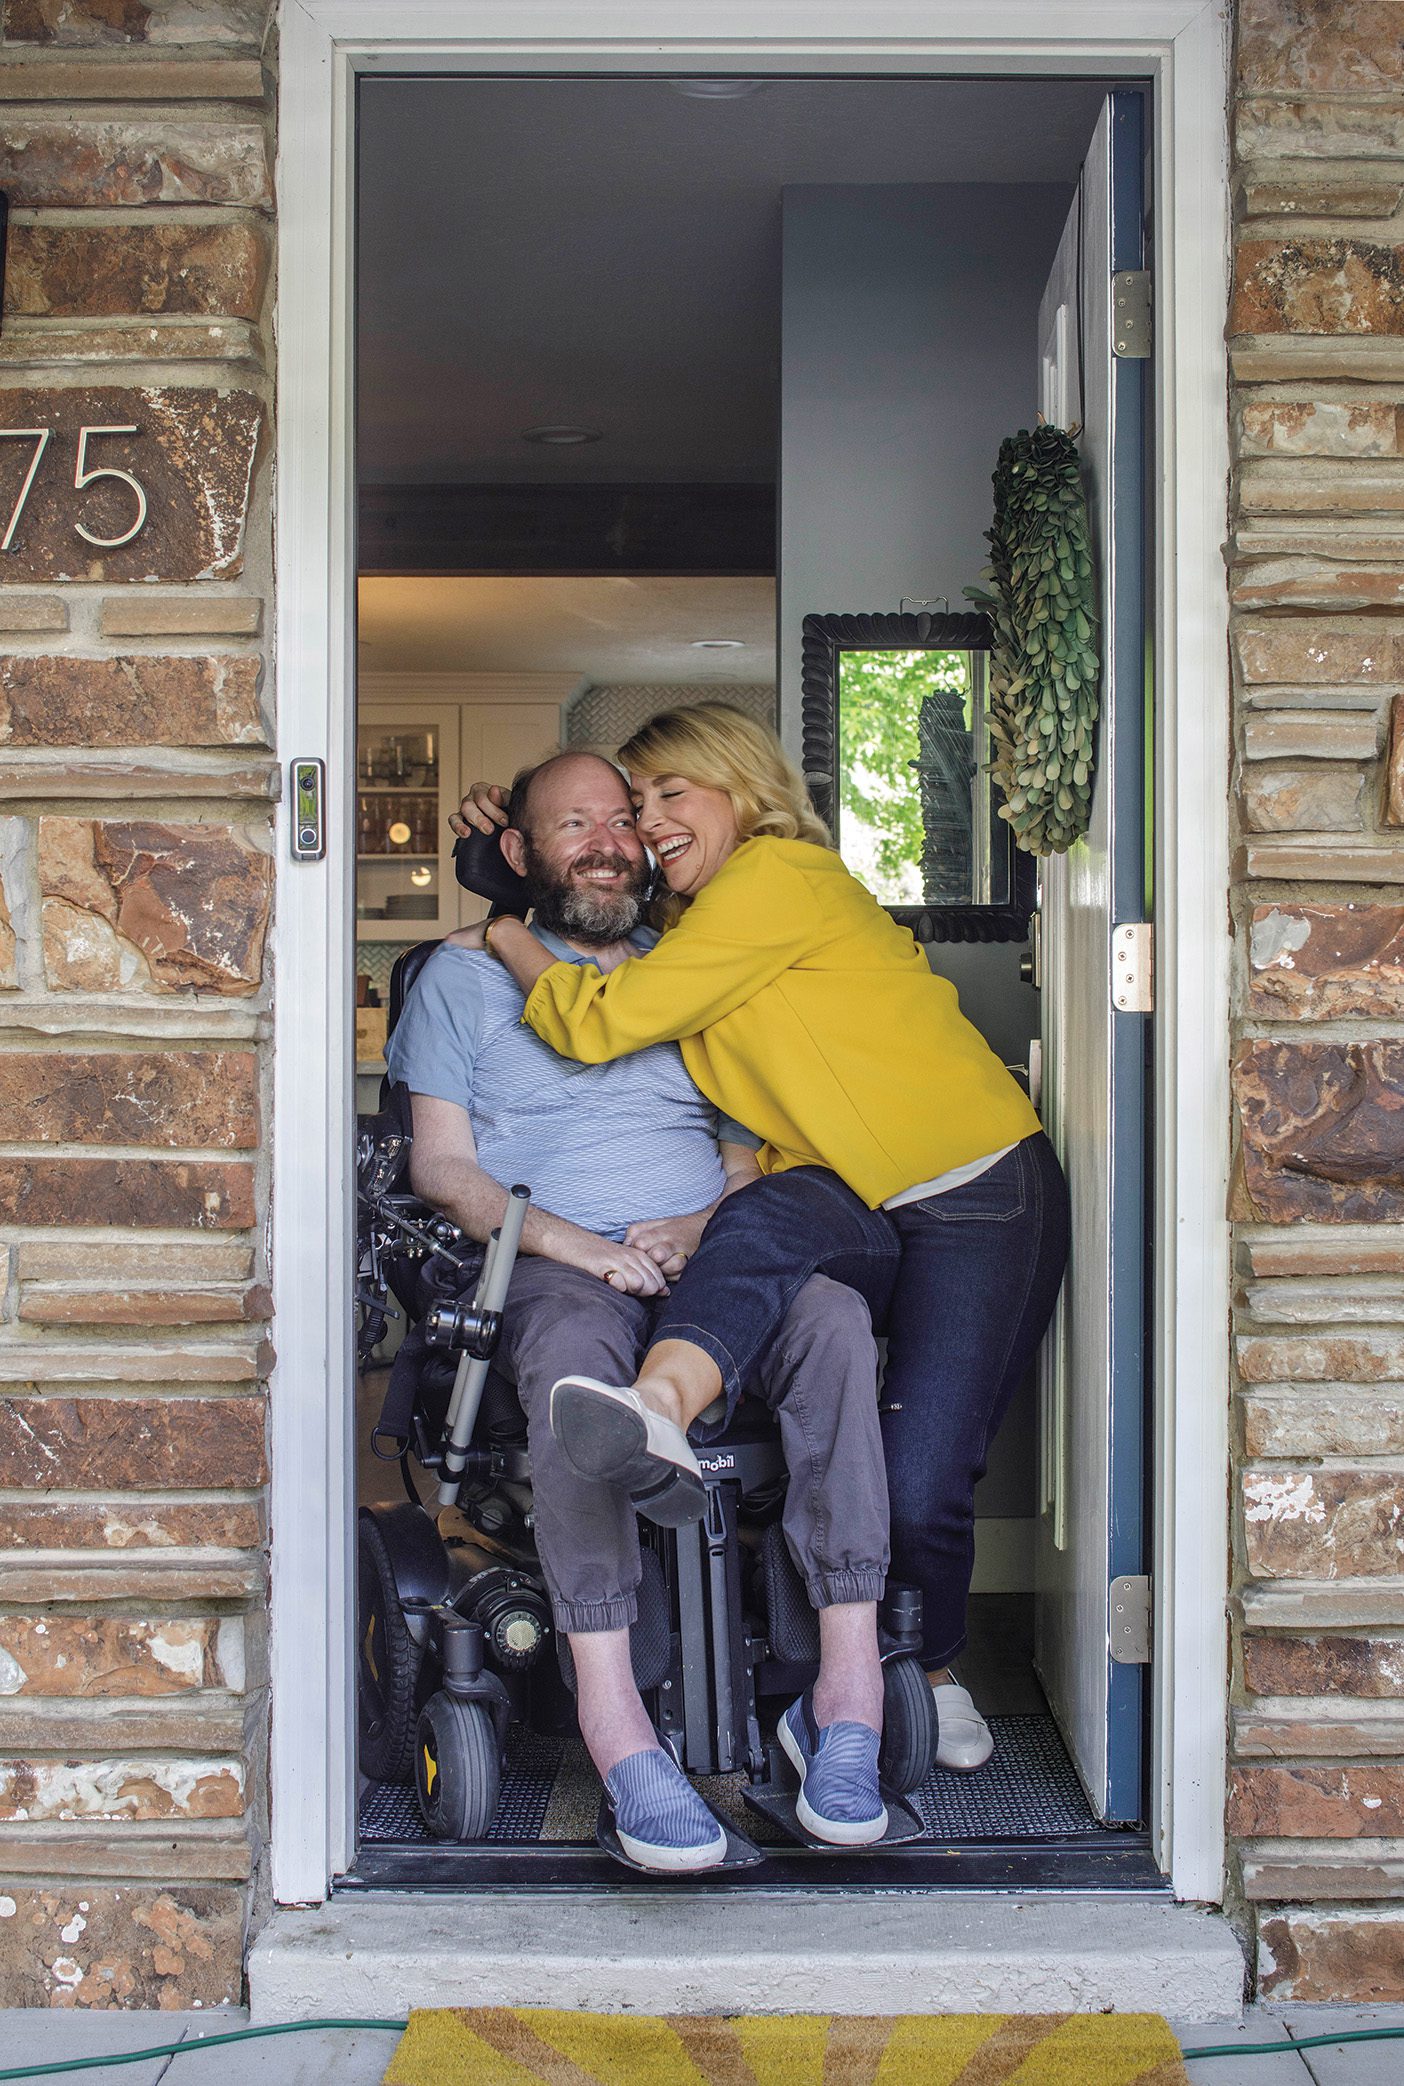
(965, 1741)
(606, 1431)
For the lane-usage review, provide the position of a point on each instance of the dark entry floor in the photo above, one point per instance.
(1029, 1792)
(550, 1795)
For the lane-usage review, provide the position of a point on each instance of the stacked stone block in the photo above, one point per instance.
(1316, 332)
(135, 889)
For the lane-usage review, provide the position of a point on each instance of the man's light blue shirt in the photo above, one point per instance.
(604, 1146)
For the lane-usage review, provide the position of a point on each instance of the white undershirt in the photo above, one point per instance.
(944, 1182)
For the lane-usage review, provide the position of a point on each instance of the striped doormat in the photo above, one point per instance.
(518, 2046)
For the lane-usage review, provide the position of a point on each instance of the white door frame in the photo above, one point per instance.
(1182, 46)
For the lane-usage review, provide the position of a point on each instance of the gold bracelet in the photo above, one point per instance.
(487, 934)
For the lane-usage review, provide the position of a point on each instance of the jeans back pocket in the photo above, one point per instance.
(999, 1195)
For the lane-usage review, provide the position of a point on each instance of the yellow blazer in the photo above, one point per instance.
(806, 1013)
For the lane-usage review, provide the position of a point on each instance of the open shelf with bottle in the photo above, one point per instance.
(407, 782)
(420, 740)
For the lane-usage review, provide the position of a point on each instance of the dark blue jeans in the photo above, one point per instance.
(963, 1285)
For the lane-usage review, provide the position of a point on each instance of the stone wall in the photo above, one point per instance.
(1317, 580)
(135, 885)
(135, 888)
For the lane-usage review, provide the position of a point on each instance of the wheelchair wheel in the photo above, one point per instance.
(457, 1774)
(908, 1726)
(387, 1664)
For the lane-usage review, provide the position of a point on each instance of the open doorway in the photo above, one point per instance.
(651, 381)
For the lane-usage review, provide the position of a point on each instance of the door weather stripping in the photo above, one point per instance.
(1130, 1619)
(1131, 314)
(1133, 967)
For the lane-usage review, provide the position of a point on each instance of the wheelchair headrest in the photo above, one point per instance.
(406, 969)
(481, 867)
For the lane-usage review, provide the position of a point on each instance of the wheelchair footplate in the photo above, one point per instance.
(776, 1799)
(741, 1853)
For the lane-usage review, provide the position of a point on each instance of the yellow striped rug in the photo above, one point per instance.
(524, 2046)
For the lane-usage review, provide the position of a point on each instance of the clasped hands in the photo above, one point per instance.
(649, 1256)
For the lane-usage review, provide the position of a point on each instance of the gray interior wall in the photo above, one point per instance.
(908, 353)
(992, 994)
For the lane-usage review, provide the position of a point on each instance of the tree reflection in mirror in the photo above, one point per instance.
(917, 814)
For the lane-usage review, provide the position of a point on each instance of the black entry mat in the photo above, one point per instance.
(1029, 1788)
(550, 1795)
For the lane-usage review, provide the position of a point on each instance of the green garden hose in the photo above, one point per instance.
(200, 2042)
(1296, 2042)
(244, 2035)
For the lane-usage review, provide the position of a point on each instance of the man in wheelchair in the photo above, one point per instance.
(626, 1162)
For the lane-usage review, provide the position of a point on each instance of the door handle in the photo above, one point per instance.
(1031, 962)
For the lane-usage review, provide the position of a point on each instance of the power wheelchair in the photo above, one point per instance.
(455, 1638)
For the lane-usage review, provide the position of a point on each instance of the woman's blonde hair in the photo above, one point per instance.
(723, 748)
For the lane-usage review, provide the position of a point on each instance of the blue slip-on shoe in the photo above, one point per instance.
(661, 1821)
(838, 1770)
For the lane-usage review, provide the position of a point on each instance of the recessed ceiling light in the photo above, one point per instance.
(560, 437)
(716, 90)
(718, 644)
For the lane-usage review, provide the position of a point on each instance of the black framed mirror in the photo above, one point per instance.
(896, 753)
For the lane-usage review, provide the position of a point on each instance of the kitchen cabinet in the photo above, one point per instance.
(414, 759)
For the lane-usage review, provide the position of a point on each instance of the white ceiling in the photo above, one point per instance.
(604, 630)
(606, 253)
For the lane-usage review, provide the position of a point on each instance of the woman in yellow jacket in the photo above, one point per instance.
(900, 1154)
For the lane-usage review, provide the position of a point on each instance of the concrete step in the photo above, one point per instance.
(761, 1952)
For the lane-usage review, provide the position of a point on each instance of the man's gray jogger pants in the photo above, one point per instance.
(819, 1379)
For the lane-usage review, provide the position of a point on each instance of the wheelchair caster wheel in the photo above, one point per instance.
(909, 1730)
(387, 1663)
(457, 1769)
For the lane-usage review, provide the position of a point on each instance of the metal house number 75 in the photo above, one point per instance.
(84, 475)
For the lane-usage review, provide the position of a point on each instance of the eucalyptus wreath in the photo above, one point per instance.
(1043, 664)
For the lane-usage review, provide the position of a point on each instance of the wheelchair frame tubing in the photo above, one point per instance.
(490, 1295)
(717, 1712)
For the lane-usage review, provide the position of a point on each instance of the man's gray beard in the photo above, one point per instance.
(579, 914)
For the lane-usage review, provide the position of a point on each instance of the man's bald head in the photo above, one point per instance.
(545, 779)
(570, 833)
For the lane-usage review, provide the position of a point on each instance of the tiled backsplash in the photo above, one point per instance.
(377, 959)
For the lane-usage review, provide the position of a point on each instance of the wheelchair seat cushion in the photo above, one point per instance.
(752, 1420)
